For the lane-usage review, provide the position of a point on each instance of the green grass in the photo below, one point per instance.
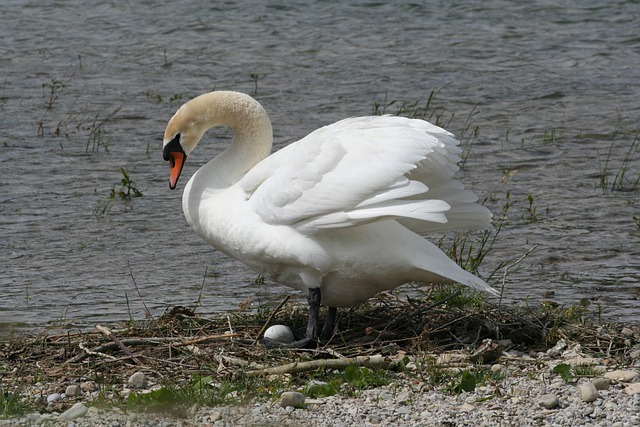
(177, 397)
(452, 380)
(350, 382)
(12, 405)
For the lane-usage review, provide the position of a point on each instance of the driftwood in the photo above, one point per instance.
(378, 362)
(124, 348)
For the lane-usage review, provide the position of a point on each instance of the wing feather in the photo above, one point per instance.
(357, 171)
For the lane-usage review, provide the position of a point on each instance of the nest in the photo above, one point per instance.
(180, 344)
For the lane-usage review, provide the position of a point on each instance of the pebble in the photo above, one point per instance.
(73, 391)
(623, 376)
(137, 380)
(548, 401)
(406, 401)
(88, 386)
(292, 398)
(632, 389)
(76, 411)
(588, 392)
(601, 383)
(54, 397)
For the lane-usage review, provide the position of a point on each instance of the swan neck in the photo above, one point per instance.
(251, 128)
(253, 135)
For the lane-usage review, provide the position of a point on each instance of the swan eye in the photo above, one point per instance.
(173, 145)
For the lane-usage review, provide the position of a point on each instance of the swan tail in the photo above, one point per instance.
(434, 261)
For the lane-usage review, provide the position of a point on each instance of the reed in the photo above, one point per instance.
(625, 172)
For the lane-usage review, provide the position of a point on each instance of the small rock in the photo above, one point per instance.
(404, 410)
(137, 380)
(54, 397)
(374, 419)
(76, 411)
(497, 368)
(582, 361)
(88, 386)
(73, 391)
(520, 392)
(632, 389)
(588, 392)
(488, 352)
(601, 383)
(259, 410)
(627, 332)
(467, 407)
(292, 398)
(548, 401)
(623, 376)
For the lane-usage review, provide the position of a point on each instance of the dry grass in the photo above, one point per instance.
(181, 344)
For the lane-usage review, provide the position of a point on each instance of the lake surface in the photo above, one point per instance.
(545, 94)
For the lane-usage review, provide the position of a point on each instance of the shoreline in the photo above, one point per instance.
(198, 372)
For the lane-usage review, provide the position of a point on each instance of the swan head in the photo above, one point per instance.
(244, 115)
(181, 136)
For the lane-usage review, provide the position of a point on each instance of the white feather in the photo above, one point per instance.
(340, 209)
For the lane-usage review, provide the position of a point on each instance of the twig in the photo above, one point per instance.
(119, 343)
(93, 352)
(204, 278)
(207, 338)
(509, 267)
(146, 309)
(377, 361)
(273, 313)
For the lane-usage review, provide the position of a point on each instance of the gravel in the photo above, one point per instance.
(529, 393)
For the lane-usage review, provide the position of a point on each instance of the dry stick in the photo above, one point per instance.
(509, 267)
(93, 352)
(207, 338)
(273, 313)
(377, 361)
(146, 309)
(123, 347)
(204, 278)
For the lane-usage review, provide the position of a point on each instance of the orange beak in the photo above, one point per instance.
(176, 163)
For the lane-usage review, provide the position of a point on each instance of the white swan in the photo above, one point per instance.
(338, 214)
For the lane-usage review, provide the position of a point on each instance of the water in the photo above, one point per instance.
(544, 83)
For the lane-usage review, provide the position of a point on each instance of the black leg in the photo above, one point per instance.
(329, 324)
(314, 313)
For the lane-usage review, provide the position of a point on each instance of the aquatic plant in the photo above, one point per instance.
(415, 110)
(98, 136)
(51, 91)
(624, 178)
(128, 189)
(255, 77)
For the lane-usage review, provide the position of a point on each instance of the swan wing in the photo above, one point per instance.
(357, 171)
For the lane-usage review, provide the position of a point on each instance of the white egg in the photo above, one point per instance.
(279, 333)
